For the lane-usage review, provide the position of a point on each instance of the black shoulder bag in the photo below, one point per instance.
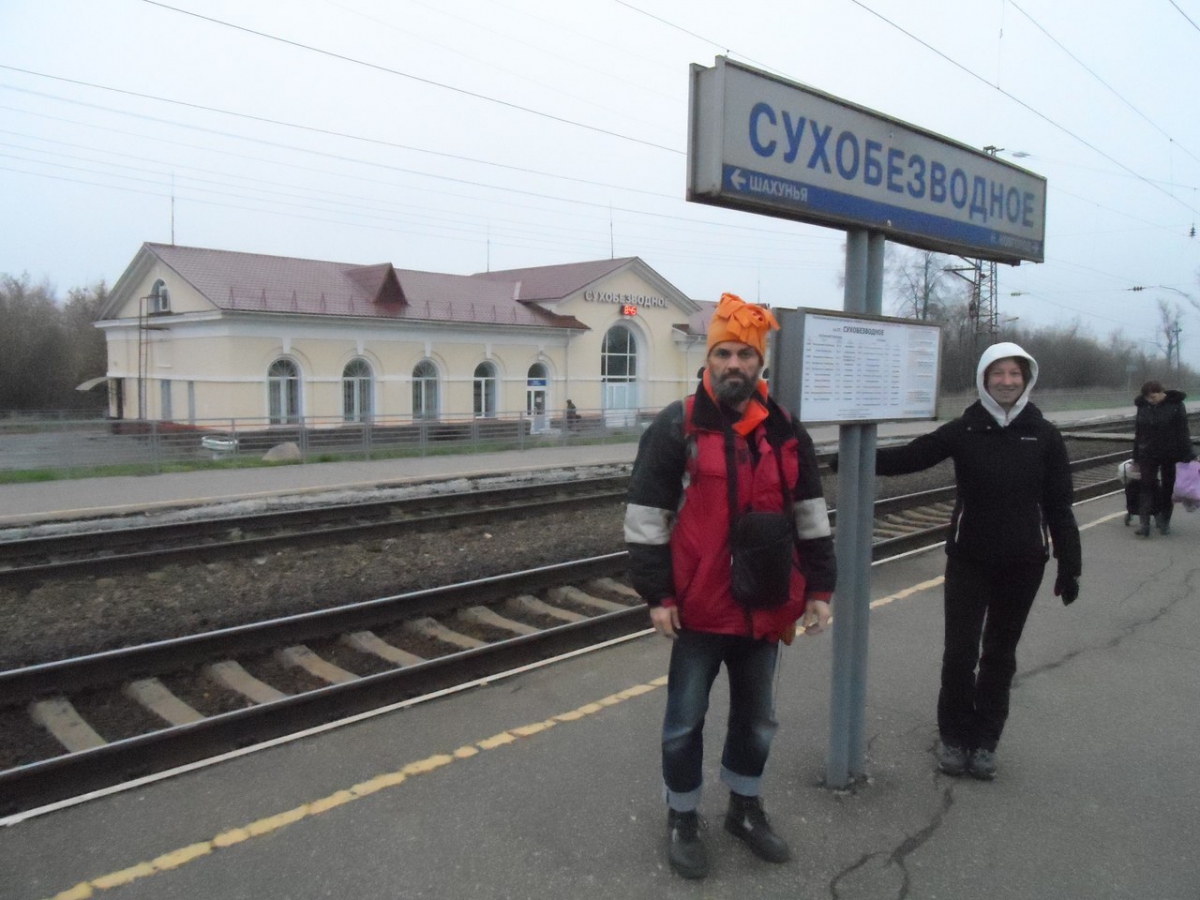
(760, 543)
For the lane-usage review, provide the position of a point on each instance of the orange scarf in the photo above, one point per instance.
(756, 410)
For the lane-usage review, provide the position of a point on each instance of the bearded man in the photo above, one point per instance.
(704, 464)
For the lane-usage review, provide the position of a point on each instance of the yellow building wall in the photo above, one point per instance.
(226, 357)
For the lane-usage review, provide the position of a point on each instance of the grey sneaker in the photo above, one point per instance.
(952, 758)
(747, 821)
(687, 854)
(982, 764)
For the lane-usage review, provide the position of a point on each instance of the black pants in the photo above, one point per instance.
(986, 607)
(1158, 484)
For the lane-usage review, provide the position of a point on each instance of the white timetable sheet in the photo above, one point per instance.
(860, 369)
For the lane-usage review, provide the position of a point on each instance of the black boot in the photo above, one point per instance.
(1163, 523)
(1143, 526)
(687, 854)
(746, 820)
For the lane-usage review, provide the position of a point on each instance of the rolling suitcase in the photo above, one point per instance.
(1130, 478)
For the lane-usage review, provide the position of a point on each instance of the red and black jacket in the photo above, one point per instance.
(677, 517)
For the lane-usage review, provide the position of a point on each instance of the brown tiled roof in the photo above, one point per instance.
(273, 284)
(555, 282)
(697, 322)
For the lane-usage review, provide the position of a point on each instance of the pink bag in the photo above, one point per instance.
(1187, 485)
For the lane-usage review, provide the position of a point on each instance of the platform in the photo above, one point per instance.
(545, 784)
(31, 503)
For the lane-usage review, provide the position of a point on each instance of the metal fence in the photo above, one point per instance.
(32, 442)
(79, 445)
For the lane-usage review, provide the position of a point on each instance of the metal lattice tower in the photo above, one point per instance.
(985, 315)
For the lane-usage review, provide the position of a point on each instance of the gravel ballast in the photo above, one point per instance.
(63, 618)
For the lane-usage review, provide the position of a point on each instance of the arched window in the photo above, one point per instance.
(160, 298)
(485, 390)
(357, 391)
(283, 392)
(618, 368)
(425, 390)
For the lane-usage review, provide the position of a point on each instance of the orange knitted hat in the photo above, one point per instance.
(737, 320)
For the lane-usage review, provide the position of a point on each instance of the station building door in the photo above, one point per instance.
(618, 375)
(535, 399)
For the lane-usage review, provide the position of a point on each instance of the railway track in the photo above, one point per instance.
(111, 551)
(78, 725)
(913, 521)
(83, 724)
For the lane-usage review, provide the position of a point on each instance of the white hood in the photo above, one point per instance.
(1004, 350)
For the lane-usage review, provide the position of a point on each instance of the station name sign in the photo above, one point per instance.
(624, 299)
(763, 144)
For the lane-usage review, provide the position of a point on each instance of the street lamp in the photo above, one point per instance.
(1165, 287)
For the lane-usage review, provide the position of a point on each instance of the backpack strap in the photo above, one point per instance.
(689, 430)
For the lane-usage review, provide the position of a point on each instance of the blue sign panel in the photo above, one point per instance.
(760, 143)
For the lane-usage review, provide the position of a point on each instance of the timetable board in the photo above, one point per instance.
(861, 368)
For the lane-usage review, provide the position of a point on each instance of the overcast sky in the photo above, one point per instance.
(462, 135)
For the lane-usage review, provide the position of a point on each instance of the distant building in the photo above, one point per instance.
(199, 336)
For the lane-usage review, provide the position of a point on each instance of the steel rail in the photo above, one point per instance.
(424, 512)
(69, 774)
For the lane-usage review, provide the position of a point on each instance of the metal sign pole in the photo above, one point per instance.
(855, 521)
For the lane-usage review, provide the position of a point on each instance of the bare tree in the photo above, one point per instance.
(921, 282)
(1169, 329)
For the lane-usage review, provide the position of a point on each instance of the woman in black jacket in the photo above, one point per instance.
(1014, 497)
(1160, 439)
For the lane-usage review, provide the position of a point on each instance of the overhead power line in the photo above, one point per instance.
(295, 125)
(1185, 15)
(1087, 69)
(416, 78)
(1045, 118)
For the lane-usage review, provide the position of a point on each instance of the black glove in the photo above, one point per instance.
(833, 463)
(1067, 587)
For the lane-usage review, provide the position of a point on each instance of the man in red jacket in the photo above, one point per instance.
(701, 466)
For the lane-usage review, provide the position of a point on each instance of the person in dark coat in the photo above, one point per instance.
(1160, 440)
(1013, 506)
(728, 444)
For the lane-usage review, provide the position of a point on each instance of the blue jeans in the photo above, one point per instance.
(696, 658)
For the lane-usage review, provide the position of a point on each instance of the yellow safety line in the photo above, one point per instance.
(234, 836)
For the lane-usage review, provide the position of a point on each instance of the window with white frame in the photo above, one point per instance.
(618, 368)
(357, 390)
(168, 413)
(425, 390)
(485, 390)
(283, 392)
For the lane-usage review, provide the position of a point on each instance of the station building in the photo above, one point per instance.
(200, 337)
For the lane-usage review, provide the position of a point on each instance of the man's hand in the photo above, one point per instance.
(1067, 587)
(816, 617)
(665, 620)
